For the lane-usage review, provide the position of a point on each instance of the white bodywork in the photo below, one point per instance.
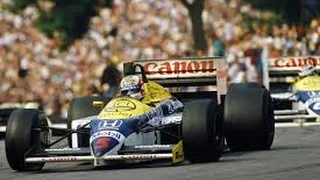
(134, 139)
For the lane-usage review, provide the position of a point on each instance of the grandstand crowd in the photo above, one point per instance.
(32, 67)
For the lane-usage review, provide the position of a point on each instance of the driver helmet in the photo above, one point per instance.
(307, 70)
(132, 85)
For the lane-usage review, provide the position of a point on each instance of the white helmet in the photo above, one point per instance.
(132, 86)
(307, 70)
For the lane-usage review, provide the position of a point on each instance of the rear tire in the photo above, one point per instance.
(26, 134)
(202, 131)
(249, 118)
(82, 107)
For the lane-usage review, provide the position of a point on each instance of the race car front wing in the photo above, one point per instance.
(139, 152)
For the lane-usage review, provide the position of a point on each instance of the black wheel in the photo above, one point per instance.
(26, 134)
(82, 107)
(248, 118)
(202, 131)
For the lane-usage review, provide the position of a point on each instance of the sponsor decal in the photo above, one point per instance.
(121, 105)
(104, 140)
(176, 118)
(177, 67)
(109, 124)
(123, 108)
(153, 146)
(102, 143)
(294, 62)
(63, 149)
(312, 82)
(57, 159)
(173, 68)
(178, 155)
(138, 156)
(111, 134)
(177, 152)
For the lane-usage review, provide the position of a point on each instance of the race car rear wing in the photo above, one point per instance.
(282, 70)
(183, 71)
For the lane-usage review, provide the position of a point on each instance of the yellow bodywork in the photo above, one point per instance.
(125, 107)
(311, 83)
(177, 153)
(122, 108)
(155, 93)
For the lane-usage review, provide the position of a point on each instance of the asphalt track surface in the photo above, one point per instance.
(295, 155)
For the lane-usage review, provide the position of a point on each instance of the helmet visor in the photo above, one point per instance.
(131, 90)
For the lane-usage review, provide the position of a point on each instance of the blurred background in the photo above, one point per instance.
(54, 50)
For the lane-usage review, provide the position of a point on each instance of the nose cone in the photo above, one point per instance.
(106, 135)
(102, 145)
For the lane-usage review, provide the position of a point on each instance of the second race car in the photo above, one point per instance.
(299, 96)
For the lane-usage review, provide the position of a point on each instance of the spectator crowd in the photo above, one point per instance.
(32, 67)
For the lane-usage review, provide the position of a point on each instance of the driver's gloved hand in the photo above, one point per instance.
(171, 106)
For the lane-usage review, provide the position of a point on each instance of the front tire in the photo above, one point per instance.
(26, 134)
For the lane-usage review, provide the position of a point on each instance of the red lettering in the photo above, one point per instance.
(313, 61)
(165, 68)
(148, 68)
(207, 66)
(180, 67)
(139, 156)
(278, 63)
(193, 69)
(57, 159)
(291, 63)
(296, 62)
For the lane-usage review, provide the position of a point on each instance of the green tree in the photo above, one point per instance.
(65, 20)
(195, 9)
(292, 11)
(68, 20)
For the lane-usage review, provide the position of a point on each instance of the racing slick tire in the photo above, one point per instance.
(248, 118)
(26, 133)
(202, 131)
(82, 107)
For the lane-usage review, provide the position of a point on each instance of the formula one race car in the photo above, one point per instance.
(295, 87)
(177, 125)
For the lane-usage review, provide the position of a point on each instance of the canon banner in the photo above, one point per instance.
(292, 63)
(180, 68)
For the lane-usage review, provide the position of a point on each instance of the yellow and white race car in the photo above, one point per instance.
(294, 83)
(176, 126)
